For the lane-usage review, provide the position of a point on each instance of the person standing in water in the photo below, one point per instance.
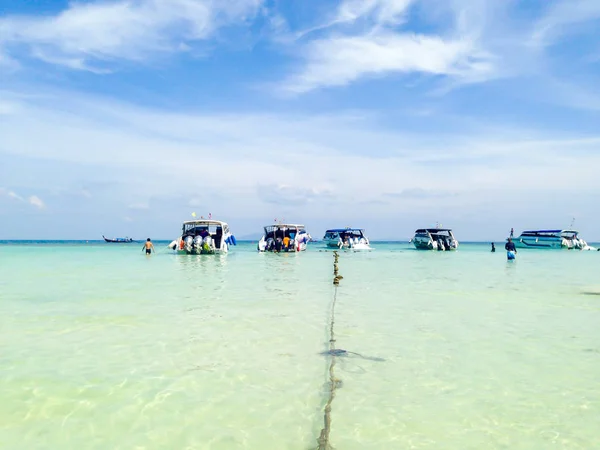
(493, 248)
(149, 247)
(511, 250)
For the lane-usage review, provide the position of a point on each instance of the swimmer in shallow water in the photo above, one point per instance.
(149, 247)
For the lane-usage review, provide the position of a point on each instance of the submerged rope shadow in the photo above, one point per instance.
(334, 382)
(333, 353)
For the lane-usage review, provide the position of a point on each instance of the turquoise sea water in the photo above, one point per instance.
(102, 347)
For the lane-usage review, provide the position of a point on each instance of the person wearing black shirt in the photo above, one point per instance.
(510, 248)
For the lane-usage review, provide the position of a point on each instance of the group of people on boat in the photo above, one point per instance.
(281, 244)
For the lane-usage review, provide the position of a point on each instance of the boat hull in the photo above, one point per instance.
(361, 247)
(363, 244)
(333, 243)
(548, 243)
(429, 244)
(201, 252)
(422, 244)
(118, 240)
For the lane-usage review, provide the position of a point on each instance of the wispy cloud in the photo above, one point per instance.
(304, 165)
(11, 194)
(283, 194)
(384, 12)
(378, 44)
(296, 158)
(36, 201)
(565, 17)
(420, 194)
(454, 42)
(91, 35)
(33, 200)
(338, 61)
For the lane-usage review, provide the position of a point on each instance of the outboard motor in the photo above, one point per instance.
(262, 245)
(188, 244)
(198, 244)
(270, 244)
(207, 244)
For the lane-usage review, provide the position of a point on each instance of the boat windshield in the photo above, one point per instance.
(344, 234)
(197, 229)
(569, 234)
(434, 232)
(283, 231)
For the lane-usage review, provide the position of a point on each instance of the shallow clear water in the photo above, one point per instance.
(103, 347)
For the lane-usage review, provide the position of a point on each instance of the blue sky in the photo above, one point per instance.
(124, 117)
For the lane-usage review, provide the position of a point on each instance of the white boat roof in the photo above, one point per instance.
(285, 225)
(550, 231)
(204, 222)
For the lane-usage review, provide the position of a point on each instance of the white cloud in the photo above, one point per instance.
(10, 194)
(370, 38)
(457, 41)
(33, 200)
(384, 11)
(247, 166)
(340, 60)
(104, 31)
(270, 158)
(36, 201)
(284, 194)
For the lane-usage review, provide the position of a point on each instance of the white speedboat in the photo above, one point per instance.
(203, 237)
(284, 237)
(553, 239)
(440, 239)
(347, 238)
